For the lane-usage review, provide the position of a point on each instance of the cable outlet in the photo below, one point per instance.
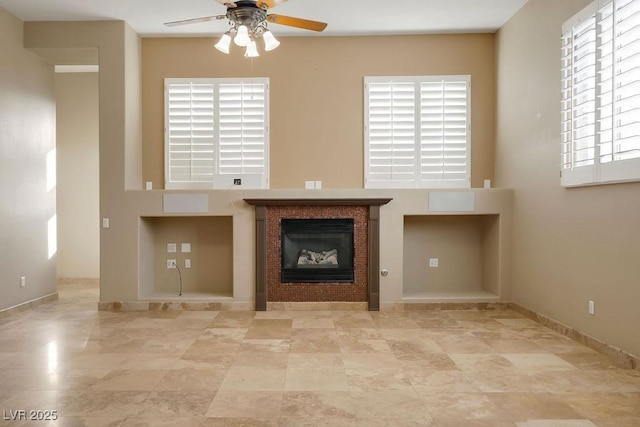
(23, 281)
(237, 181)
(592, 307)
(171, 263)
(433, 262)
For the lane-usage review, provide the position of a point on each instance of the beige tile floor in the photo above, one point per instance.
(422, 368)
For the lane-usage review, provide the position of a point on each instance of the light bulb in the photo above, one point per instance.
(242, 38)
(270, 41)
(224, 43)
(252, 50)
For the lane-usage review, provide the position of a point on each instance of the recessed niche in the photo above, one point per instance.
(211, 257)
(466, 250)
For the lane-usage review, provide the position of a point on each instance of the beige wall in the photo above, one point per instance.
(27, 135)
(570, 245)
(126, 266)
(118, 138)
(316, 97)
(78, 175)
(133, 110)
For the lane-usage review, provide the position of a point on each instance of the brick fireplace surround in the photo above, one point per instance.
(365, 288)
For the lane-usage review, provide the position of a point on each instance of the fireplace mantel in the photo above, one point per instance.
(373, 238)
(318, 202)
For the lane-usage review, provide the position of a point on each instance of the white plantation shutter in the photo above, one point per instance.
(444, 128)
(242, 109)
(190, 149)
(619, 142)
(216, 130)
(579, 97)
(601, 94)
(391, 134)
(417, 132)
(606, 71)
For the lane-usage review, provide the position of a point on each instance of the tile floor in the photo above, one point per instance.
(278, 368)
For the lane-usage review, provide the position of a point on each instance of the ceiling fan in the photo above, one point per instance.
(248, 20)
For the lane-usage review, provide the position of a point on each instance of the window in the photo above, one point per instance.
(216, 130)
(417, 132)
(601, 94)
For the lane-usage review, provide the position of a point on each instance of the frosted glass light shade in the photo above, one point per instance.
(242, 38)
(252, 50)
(270, 41)
(224, 43)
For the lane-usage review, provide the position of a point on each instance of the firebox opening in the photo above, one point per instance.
(317, 250)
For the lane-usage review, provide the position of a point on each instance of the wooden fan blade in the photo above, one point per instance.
(194, 20)
(227, 3)
(296, 22)
(268, 4)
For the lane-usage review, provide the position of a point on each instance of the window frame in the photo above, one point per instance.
(595, 171)
(418, 179)
(218, 180)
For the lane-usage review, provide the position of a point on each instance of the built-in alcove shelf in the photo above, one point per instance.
(467, 250)
(187, 296)
(210, 277)
(451, 297)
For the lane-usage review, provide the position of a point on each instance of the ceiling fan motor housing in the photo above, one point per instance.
(247, 13)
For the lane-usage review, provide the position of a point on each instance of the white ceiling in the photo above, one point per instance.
(344, 17)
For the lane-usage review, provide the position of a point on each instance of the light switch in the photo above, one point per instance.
(185, 247)
(171, 247)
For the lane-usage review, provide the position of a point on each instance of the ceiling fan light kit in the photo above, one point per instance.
(270, 41)
(242, 38)
(224, 43)
(252, 50)
(248, 20)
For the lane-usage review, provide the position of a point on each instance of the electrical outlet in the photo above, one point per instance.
(433, 262)
(187, 263)
(592, 307)
(237, 181)
(105, 222)
(23, 281)
(171, 263)
(172, 247)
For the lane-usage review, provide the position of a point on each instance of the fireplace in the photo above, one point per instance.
(362, 213)
(316, 250)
